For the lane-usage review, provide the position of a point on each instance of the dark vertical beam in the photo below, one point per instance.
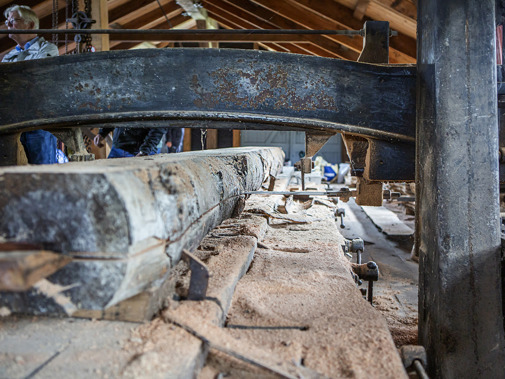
(460, 316)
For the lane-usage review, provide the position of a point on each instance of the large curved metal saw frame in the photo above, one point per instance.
(216, 88)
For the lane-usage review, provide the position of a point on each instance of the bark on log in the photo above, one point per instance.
(123, 221)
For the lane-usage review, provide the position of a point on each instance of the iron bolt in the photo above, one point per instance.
(371, 265)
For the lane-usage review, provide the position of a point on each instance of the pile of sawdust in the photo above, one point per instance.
(403, 328)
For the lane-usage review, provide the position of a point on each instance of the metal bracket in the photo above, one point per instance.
(199, 276)
(415, 357)
(72, 138)
(375, 42)
(369, 193)
(356, 245)
(369, 272)
(341, 213)
(313, 143)
(80, 20)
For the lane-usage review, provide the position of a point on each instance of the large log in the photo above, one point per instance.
(123, 222)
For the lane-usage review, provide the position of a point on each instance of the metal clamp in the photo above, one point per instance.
(305, 165)
(356, 245)
(199, 276)
(369, 272)
(414, 357)
(341, 213)
(390, 195)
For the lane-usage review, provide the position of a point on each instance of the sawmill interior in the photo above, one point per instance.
(332, 207)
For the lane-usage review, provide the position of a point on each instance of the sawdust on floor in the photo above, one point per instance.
(297, 302)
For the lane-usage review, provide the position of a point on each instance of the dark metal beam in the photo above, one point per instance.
(460, 315)
(220, 85)
(228, 88)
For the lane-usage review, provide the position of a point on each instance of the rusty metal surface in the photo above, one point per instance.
(251, 89)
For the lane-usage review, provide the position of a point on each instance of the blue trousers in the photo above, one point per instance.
(40, 147)
(116, 152)
(119, 153)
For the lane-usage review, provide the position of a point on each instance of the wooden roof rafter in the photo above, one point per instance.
(402, 47)
(230, 18)
(272, 20)
(260, 14)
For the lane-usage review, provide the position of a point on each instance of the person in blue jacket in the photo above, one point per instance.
(131, 142)
(39, 145)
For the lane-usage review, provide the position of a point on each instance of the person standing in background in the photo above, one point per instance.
(39, 145)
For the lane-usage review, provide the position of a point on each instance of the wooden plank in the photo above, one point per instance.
(126, 242)
(360, 9)
(212, 139)
(121, 8)
(151, 6)
(406, 7)
(387, 221)
(187, 140)
(138, 308)
(236, 138)
(154, 18)
(100, 13)
(398, 21)
(20, 270)
(379, 11)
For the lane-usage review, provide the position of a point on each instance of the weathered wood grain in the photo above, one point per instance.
(124, 222)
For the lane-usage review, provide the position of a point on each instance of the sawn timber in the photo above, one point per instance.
(124, 222)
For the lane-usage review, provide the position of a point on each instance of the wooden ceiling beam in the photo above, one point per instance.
(151, 7)
(268, 46)
(236, 17)
(151, 19)
(296, 48)
(118, 10)
(360, 9)
(402, 48)
(311, 20)
(224, 23)
(123, 45)
(379, 10)
(162, 45)
(113, 4)
(271, 20)
(405, 7)
(178, 22)
(4, 3)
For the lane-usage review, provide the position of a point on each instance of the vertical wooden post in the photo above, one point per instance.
(100, 13)
(212, 135)
(186, 144)
(460, 315)
(236, 138)
(212, 139)
(11, 150)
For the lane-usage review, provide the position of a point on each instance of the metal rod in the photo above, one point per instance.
(370, 292)
(420, 369)
(302, 193)
(182, 31)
